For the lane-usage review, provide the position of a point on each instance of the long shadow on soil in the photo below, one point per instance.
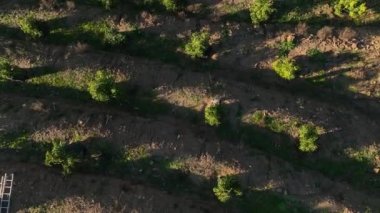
(325, 61)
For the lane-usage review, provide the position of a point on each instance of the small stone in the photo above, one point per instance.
(215, 56)
(376, 170)
(70, 5)
(354, 46)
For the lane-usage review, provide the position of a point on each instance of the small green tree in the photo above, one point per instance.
(198, 44)
(261, 10)
(354, 8)
(213, 115)
(308, 136)
(103, 87)
(58, 155)
(227, 187)
(285, 68)
(29, 26)
(170, 5)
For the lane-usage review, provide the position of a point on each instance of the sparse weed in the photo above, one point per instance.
(136, 153)
(175, 165)
(369, 154)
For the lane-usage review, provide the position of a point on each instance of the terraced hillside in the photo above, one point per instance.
(191, 106)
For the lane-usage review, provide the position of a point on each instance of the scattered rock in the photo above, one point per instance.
(215, 56)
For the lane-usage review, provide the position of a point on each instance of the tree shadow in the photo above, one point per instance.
(325, 61)
(237, 16)
(23, 74)
(19, 4)
(11, 32)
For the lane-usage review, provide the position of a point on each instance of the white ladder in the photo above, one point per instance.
(5, 192)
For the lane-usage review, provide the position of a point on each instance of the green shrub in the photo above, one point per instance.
(213, 115)
(58, 155)
(227, 187)
(285, 68)
(103, 87)
(170, 5)
(308, 136)
(5, 69)
(198, 44)
(354, 8)
(261, 10)
(28, 25)
(285, 47)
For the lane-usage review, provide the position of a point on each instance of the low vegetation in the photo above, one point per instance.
(285, 68)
